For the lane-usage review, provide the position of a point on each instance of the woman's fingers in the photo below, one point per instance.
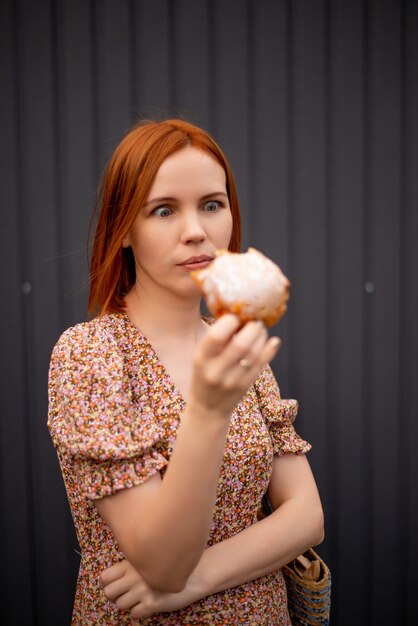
(225, 340)
(218, 335)
(224, 347)
(271, 348)
(112, 573)
(228, 360)
(118, 580)
(117, 588)
(129, 599)
(137, 611)
(248, 368)
(248, 344)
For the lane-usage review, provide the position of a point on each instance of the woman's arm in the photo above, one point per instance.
(148, 520)
(295, 525)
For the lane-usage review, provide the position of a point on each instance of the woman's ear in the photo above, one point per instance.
(126, 242)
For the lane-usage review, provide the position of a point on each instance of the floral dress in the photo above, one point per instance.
(113, 417)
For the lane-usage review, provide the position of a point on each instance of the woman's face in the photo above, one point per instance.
(184, 220)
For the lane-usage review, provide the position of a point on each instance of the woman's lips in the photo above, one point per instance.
(196, 265)
(196, 262)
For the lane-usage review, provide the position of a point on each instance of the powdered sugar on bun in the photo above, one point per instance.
(249, 285)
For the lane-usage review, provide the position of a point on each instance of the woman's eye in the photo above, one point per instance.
(212, 205)
(162, 211)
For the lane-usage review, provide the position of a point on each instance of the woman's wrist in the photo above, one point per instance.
(214, 418)
(199, 581)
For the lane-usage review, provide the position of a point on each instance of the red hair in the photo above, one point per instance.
(124, 189)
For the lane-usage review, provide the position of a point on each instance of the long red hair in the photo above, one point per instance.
(124, 189)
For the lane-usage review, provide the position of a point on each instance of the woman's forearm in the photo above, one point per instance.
(187, 495)
(261, 548)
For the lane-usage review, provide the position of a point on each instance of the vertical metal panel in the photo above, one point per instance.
(192, 41)
(153, 62)
(348, 504)
(408, 399)
(16, 522)
(113, 73)
(384, 308)
(78, 175)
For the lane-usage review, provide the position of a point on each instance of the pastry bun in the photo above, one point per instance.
(248, 285)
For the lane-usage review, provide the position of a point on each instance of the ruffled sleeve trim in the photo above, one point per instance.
(279, 415)
(98, 480)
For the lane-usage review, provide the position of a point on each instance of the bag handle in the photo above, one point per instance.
(307, 569)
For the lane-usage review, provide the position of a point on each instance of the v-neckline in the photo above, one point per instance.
(149, 345)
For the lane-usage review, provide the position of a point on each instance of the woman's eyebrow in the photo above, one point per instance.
(162, 199)
(172, 199)
(214, 193)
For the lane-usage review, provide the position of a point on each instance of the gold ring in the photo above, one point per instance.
(245, 364)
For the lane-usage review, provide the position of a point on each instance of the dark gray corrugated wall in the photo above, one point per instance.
(316, 104)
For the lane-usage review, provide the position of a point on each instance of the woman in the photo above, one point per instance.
(168, 429)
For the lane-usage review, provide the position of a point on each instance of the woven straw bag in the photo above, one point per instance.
(308, 583)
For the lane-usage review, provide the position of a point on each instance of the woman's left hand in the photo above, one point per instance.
(125, 586)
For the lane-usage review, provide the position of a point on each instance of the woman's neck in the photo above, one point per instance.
(168, 319)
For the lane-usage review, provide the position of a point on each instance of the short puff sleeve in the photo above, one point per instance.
(111, 442)
(278, 415)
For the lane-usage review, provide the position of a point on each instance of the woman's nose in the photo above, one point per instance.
(192, 227)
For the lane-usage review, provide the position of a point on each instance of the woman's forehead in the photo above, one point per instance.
(189, 168)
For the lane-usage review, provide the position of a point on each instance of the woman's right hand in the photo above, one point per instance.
(228, 361)
(124, 586)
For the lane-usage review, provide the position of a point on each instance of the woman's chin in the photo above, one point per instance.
(188, 289)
